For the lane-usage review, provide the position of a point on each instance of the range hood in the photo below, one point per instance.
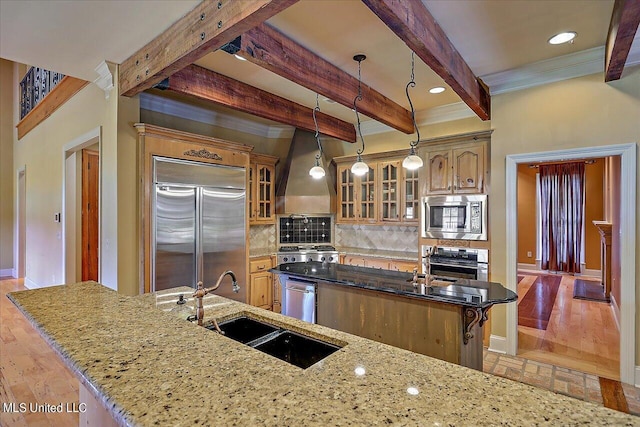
(297, 191)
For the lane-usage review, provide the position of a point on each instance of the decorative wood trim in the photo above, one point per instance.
(480, 136)
(177, 135)
(412, 22)
(60, 94)
(204, 84)
(272, 50)
(206, 28)
(622, 29)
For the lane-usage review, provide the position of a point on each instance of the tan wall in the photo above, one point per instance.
(6, 167)
(581, 112)
(594, 176)
(41, 152)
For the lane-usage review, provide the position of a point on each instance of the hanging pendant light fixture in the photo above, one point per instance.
(317, 172)
(412, 161)
(359, 168)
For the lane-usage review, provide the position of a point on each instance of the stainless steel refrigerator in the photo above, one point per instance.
(198, 225)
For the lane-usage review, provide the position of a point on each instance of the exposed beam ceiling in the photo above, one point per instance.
(622, 29)
(208, 26)
(204, 84)
(272, 50)
(412, 22)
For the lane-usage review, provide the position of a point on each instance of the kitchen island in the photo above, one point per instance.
(147, 366)
(442, 318)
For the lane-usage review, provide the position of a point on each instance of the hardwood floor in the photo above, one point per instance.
(580, 335)
(30, 371)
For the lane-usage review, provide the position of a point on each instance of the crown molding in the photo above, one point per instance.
(163, 105)
(105, 79)
(564, 67)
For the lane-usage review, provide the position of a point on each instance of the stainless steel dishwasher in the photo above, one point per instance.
(299, 299)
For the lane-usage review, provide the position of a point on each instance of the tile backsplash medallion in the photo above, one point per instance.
(386, 237)
(262, 237)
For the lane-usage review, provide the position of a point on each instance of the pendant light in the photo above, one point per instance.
(359, 168)
(317, 172)
(412, 161)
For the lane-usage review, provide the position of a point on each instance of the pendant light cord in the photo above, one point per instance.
(412, 83)
(355, 106)
(317, 135)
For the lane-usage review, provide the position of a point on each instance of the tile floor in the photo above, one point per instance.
(555, 378)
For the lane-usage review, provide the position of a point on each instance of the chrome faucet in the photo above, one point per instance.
(432, 250)
(202, 291)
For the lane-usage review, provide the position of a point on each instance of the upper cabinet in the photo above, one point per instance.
(262, 195)
(387, 193)
(357, 200)
(459, 169)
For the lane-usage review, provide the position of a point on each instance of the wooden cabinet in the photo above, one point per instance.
(388, 193)
(457, 170)
(357, 199)
(262, 196)
(383, 263)
(261, 283)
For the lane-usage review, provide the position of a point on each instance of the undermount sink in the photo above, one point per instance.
(286, 345)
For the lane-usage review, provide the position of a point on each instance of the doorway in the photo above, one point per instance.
(627, 245)
(90, 209)
(21, 227)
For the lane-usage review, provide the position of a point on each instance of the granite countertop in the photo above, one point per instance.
(150, 367)
(467, 292)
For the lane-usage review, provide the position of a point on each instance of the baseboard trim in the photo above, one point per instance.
(8, 272)
(498, 344)
(30, 284)
(528, 267)
(588, 272)
(616, 312)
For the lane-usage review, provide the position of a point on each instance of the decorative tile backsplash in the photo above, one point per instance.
(386, 237)
(262, 237)
(311, 229)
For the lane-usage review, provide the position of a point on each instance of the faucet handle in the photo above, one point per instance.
(236, 287)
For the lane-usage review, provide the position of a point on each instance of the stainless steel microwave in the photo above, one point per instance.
(462, 217)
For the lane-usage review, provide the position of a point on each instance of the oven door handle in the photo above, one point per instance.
(478, 267)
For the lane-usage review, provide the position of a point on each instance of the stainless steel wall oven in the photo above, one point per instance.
(466, 263)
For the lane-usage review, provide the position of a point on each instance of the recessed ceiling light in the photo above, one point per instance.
(240, 57)
(437, 89)
(563, 37)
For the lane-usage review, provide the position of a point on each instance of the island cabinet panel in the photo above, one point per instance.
(93, 413)
(431, 328)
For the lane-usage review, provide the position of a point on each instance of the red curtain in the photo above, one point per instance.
(562, 206)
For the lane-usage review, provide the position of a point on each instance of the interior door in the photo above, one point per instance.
(175, 237)
(90, 209)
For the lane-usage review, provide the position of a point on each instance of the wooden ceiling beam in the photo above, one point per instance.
(411, 21)
(270, 49)
(208, 26)
(622, 29)
(198, 82)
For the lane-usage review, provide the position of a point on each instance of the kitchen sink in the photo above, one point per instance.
(286, 345)
(244, 329)
(297, 349)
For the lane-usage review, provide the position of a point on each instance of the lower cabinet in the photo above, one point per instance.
(383, 263)
(261, 283)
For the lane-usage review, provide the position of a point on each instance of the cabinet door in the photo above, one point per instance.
(346, 195)
(389, 191)
(405, 266)
(468, 169)
(277, 294)
(261, 290)
(354, 260)
(264, 182)
(439, 172)
(367, 196)
(410, 198)
(377, 263)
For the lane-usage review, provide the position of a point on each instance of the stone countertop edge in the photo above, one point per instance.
(149, 367)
